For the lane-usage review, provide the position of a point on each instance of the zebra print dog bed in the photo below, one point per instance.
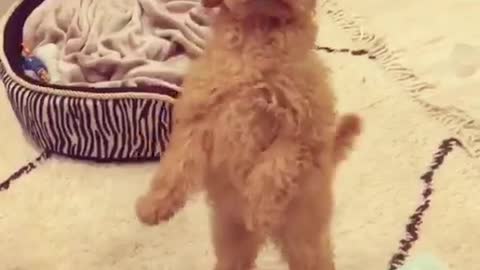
(108, 124)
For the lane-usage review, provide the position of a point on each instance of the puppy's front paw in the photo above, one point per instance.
(151, 212)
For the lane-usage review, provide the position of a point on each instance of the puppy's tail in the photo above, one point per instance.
(348, 128)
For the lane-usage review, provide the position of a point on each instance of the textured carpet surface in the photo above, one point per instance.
(70, 215)
(435, 58)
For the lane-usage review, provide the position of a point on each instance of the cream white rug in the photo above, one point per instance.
(431, 48)
(68, 215)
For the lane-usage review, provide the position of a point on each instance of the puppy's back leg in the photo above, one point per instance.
(235, 247)
(304, 239)
(307, 249)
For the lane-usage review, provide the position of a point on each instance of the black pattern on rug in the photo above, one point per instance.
(26, 169)
(412, 229)
(416, 219)
(360, 52)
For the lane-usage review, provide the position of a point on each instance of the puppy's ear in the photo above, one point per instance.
(211, 3)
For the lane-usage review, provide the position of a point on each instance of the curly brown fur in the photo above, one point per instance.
(256, 128)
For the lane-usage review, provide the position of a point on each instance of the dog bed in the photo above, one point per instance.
(83, 122)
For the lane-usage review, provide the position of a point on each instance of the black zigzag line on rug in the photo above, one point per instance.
(24, 170)
(360, 52)
(412, 228)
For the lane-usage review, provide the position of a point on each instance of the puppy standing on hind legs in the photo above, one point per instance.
(256, 129)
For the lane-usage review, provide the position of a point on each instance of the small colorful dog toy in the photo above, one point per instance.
(32, 63)
(425, 262)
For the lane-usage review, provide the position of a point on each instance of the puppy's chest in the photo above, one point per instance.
(241, 122)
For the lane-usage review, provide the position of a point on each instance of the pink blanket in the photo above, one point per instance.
(115, 43)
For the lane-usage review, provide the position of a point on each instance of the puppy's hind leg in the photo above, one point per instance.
(304, 239)
(306, 248)
(236, 248)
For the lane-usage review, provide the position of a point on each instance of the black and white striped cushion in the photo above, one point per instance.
(102, 129)
(84, 123)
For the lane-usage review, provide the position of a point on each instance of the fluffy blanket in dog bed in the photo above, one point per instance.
(120, 64)
(115, 43)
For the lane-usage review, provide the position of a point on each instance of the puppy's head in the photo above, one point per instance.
(281, 9)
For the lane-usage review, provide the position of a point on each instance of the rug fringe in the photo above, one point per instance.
(466, 128)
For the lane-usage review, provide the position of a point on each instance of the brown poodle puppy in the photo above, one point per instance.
(256, 128)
